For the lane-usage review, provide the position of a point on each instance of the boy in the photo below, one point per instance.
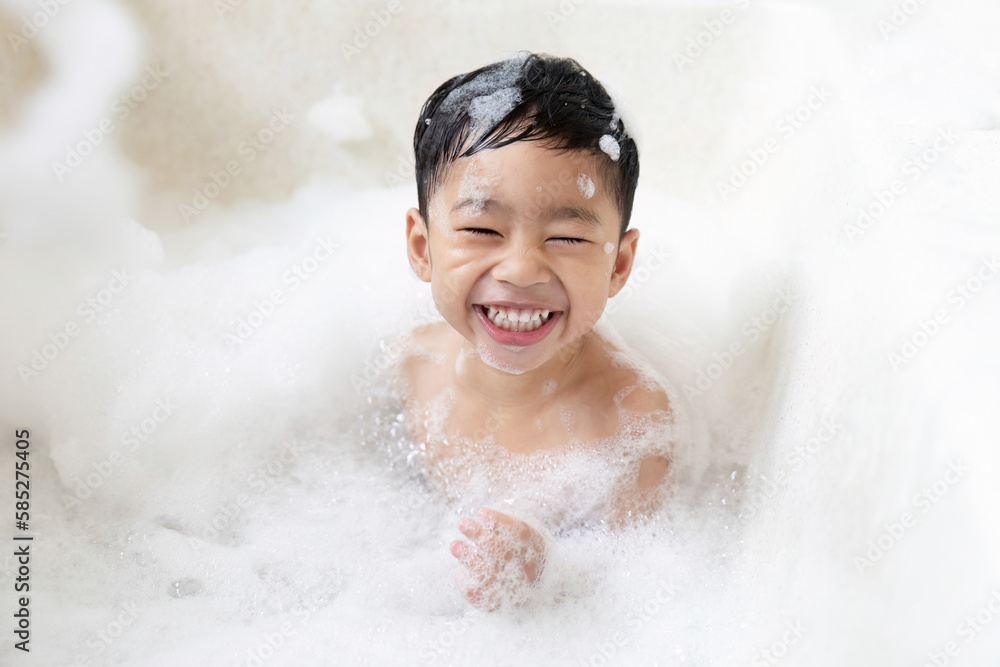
(525, 177)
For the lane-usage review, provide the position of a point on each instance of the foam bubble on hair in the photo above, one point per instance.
(488, 110)
(610, 146)
(621, 113)
(489, 96)
(585, 185)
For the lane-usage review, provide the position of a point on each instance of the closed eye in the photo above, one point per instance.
(477, 231)
(569, 240)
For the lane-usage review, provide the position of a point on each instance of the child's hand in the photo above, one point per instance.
(503, 562)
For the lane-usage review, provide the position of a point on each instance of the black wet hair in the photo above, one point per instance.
(550, 99)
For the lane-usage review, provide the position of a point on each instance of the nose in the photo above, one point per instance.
(522, 264)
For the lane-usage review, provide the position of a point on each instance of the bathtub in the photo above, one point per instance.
(205, 294)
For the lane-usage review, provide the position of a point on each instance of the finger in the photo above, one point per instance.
(500, 521)
(489, 518)
(476, 591)
(463, 552)
(470, 528)
(470, 556)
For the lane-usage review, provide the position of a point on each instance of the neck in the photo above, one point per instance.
(532, 388)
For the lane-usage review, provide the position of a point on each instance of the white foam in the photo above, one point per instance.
(489, 358)
(341, 117)
(585, 185)
(610, 146)
(477, 184)
(488, 97)
(282, 495)
(488, 110)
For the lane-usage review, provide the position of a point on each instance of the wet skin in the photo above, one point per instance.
(502, 233)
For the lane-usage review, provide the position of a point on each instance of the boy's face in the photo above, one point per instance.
(521, 228)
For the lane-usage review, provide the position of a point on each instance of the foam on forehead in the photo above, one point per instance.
(489, 97)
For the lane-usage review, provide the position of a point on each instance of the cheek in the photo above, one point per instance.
(452, 280)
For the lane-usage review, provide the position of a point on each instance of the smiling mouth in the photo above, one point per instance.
(516, 320)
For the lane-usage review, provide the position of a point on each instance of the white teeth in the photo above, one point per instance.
(511, 319)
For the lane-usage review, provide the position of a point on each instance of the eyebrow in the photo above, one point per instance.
(573, 213)
(584, 215)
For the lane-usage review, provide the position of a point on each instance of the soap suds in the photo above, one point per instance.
(585, 185)
(488, 110)
(490, 359)
(477, 184)
(488, 97)
(610, 146)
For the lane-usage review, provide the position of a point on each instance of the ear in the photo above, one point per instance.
(623, 263)
(418, 249)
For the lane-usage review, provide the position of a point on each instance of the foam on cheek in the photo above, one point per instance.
(609, 248)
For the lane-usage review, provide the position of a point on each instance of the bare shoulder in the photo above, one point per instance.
(425, 355)
(648, 401)
(645, 399)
